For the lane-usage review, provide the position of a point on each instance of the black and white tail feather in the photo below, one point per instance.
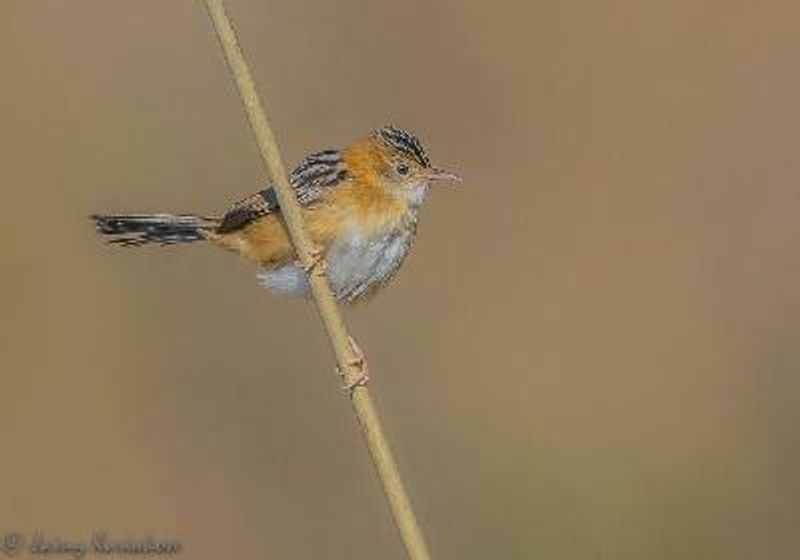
(135, 230)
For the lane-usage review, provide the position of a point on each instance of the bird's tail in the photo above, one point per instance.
(134, 230)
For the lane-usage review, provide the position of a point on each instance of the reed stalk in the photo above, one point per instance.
(388, 473)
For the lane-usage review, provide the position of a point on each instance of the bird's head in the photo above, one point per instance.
(396, 160)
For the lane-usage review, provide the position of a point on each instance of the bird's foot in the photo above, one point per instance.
(359, 362)
(317, 263)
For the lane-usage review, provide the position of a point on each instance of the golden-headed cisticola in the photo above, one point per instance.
(360, 208)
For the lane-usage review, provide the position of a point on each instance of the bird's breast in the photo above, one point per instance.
(361, 260)
(366, 235)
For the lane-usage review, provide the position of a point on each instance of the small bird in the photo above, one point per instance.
(360, 207)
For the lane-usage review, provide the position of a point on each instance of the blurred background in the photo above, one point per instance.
(590, 353)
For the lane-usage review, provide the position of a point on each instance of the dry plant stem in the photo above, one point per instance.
(399, 502)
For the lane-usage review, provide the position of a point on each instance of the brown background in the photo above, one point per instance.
(591, 352)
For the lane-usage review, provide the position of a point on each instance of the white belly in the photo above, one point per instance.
(356, 263)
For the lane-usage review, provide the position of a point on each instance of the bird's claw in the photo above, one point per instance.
(317, 262)
(359, 362)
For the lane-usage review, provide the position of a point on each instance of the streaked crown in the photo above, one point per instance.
(404, 142)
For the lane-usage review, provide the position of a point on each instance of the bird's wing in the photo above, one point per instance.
(311, 179)
(249, 210)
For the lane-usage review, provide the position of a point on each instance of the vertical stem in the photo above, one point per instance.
(389, 475)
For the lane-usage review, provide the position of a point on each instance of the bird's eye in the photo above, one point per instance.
(402, 168)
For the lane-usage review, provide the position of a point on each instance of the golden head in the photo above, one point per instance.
(395, 160)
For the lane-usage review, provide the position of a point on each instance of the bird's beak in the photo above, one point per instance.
(437, 174)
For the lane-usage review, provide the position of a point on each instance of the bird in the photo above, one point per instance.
(360, 206)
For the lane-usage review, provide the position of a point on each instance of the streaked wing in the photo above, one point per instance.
(248, 210)
(315, 174)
